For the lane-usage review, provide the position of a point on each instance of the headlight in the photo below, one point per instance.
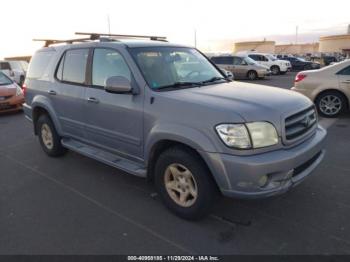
(234, 135)
(18, 91)
(263, 134)
(251, 135)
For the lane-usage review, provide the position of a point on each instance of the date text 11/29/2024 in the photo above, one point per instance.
(173, 258)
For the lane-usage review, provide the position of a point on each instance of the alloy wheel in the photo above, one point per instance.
(180, 185)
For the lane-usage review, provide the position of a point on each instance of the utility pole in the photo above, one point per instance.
(296, 34)
(109, 24)
(195, 38)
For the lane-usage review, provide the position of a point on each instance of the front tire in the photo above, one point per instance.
(184, 183)
(252, 75)
(275, 70)
(49, 140)
(331, 104)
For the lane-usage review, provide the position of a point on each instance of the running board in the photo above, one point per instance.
(105, 157)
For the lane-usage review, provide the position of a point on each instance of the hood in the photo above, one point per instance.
(251, 101)
(8, 90)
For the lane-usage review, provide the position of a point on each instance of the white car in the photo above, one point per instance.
(276, 66)
(16, 70)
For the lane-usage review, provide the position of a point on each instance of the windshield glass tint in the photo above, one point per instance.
(249, 61)
(166, 66)
(4, 80)
(271, 57)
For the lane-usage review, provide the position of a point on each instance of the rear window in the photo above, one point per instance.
(4, 80)
(39, 63)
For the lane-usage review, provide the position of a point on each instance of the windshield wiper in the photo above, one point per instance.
(179, 85)
(213, 79)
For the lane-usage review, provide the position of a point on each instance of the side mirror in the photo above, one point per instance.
(244, 63)
(228, 74)
(118, 85)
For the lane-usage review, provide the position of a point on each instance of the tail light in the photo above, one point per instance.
(300, 77)
(24, 89)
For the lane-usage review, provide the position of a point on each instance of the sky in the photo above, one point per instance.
(213, 20)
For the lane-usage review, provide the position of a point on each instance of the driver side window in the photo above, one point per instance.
(107, 63)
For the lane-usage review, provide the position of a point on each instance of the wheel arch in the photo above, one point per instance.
(41, 106)
(162, 145)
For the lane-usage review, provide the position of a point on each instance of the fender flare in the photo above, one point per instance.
(45, 103)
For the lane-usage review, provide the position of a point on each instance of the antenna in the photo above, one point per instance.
(195, 38)
(109, 24)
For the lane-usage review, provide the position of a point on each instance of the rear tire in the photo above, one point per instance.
(331, 104)
(180, 172)
(275, 70)
(49, 140)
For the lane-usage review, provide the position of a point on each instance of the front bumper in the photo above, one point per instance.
(280, 170)
(263, 73)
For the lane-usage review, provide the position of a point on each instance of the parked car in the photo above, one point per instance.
(166, 112)
(16, 70)
(276, 66)
(301, 64)
(242, 67)
(11, 95)
(328, 87)
(327, 60)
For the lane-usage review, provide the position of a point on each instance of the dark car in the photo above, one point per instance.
(327, 60)
(300, 63)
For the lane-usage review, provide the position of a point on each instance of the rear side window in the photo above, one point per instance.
(72, 67)
(5, 66)
(345, 71)
(39, 63)
(217, 60)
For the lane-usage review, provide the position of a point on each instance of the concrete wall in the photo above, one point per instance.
(336, 43)
(259, 46)
(297, 49)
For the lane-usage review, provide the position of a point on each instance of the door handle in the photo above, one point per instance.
(93, 100)
(52, 92)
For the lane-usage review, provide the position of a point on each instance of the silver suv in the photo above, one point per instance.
(166, 112)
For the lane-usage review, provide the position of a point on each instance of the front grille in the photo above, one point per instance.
(300, 124)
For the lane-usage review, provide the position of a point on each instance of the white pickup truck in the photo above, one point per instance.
(276, 66)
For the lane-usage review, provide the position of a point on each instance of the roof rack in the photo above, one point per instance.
(99, 36)
(114, 36)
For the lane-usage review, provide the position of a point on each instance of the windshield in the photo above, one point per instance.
(249, 60)
(4, 80)
(174, 67)
(271, 57)
(301, 59)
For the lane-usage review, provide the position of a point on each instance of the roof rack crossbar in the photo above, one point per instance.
(98, 35)
(49, 42)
